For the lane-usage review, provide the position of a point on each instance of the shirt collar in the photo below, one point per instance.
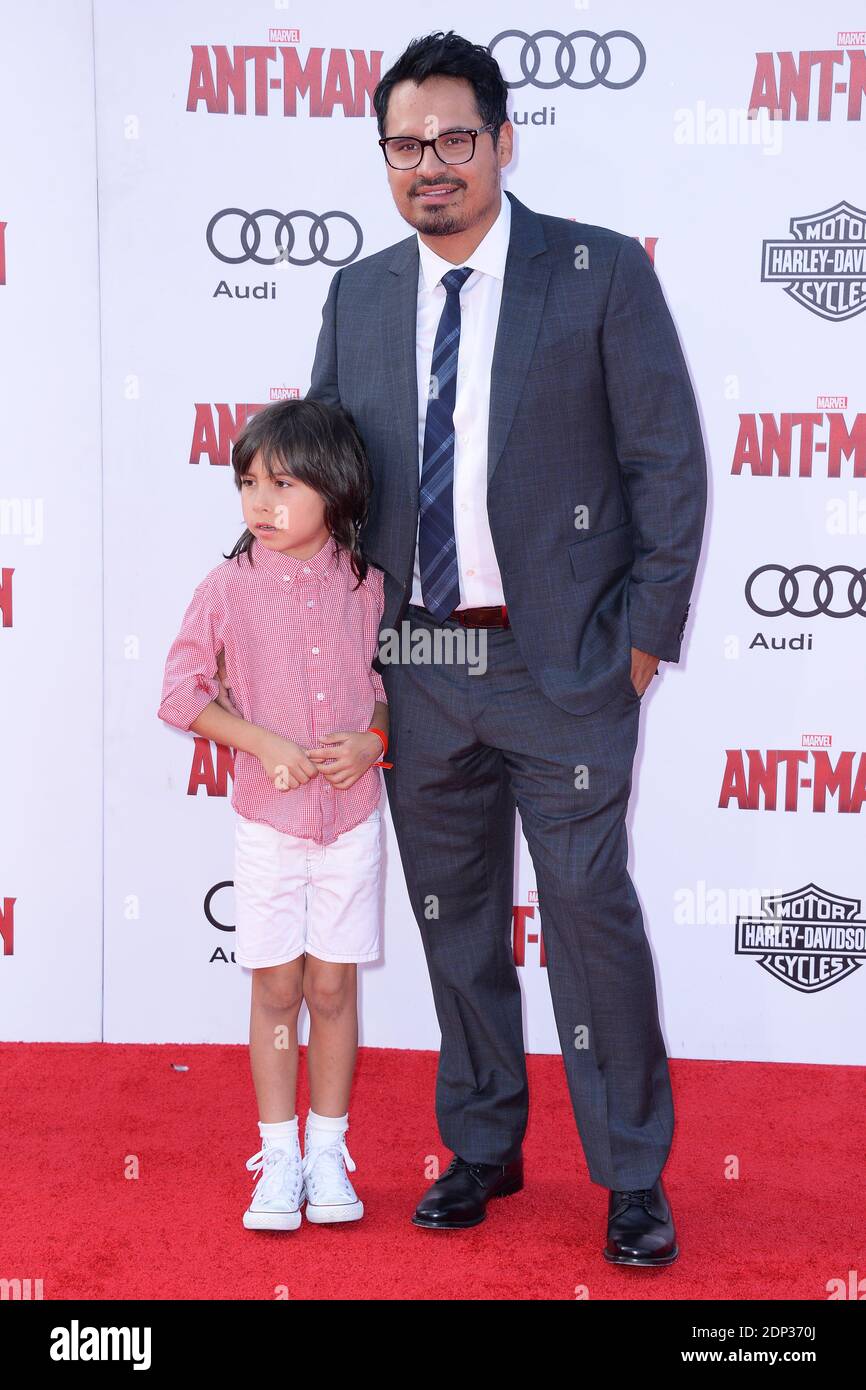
(488, 256)
(289, 567)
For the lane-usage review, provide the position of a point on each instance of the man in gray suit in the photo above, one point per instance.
(539, 475)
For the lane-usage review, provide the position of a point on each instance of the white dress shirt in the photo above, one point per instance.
(480, 298)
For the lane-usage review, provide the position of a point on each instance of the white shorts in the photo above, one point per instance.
(274, 875)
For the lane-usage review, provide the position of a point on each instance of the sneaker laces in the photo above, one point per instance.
(324, 1172)
(270, 1163)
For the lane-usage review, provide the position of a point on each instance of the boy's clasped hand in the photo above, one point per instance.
(346, 757)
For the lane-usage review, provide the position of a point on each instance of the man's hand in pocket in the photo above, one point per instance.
(643, 667)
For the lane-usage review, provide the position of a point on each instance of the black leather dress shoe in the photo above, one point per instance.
(459, 1198)
(640, 1228)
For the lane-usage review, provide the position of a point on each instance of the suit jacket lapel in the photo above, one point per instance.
(524, 289)
(399, 322)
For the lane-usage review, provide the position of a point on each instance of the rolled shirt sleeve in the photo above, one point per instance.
(190, 682)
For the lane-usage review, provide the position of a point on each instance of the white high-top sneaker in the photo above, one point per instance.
(279, 1192)
(330, 1194)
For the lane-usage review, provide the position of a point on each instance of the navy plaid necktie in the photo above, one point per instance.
(437, 548)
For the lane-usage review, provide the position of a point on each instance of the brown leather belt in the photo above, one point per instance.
(494, 616)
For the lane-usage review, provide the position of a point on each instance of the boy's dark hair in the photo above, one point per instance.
(320, 445)
(448, 55)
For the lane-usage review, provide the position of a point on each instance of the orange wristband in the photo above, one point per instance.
(384, 738)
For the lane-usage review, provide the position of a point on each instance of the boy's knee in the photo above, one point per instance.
(328, 991)
(280, 986)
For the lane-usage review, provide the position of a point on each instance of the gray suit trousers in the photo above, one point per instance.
(467, 748)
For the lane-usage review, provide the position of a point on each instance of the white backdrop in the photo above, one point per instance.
(750, 779)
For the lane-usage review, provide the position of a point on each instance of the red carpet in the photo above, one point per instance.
(74, 1116)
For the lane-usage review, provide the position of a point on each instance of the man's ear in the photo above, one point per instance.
(505, 145)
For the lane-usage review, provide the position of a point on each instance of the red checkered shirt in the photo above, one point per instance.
(298, 641)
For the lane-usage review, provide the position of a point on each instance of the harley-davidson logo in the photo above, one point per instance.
(809, 939)
(824, 267)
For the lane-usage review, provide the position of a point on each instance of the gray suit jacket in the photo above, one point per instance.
(596, 470)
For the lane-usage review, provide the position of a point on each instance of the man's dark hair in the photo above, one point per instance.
(448, 55)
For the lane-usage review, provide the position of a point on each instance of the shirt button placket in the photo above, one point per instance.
(323, 795)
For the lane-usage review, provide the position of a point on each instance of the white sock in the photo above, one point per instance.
(282, 1134)
(321, 1129)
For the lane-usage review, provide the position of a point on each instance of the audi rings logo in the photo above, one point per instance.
(593, 54)
(235, 236)
(787, 595)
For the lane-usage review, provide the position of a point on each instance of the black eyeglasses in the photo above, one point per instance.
(454, 147)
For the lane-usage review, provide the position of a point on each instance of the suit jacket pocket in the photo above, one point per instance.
(561, 351)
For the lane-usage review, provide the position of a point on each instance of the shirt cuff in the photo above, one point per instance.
(183, 707)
